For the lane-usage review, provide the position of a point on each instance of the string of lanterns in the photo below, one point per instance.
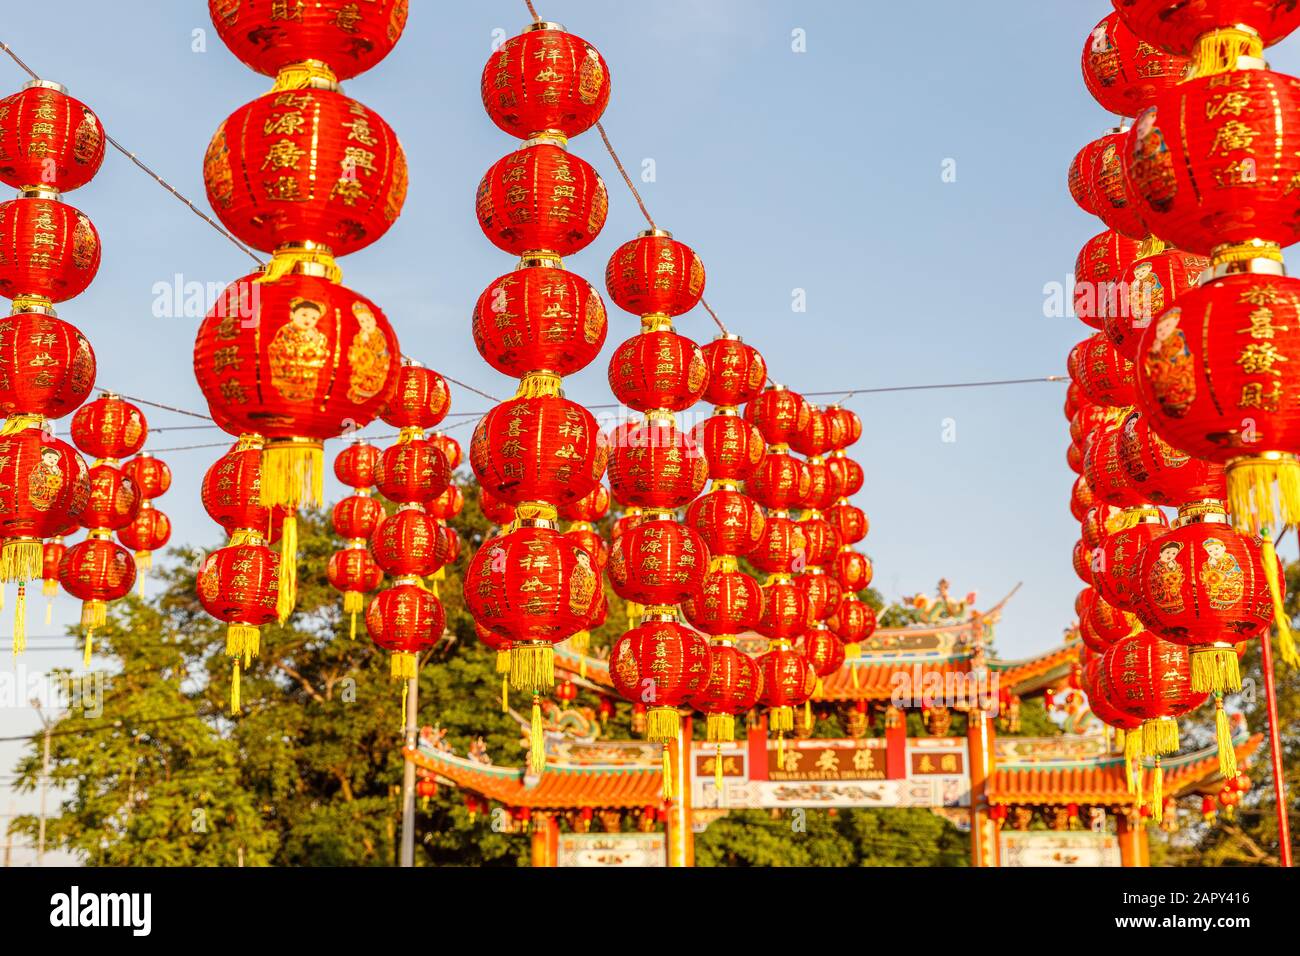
(1178, 400)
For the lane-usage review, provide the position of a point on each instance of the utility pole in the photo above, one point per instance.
(45, 780)
(407, 857)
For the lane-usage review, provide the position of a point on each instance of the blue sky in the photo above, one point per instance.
(819, 171)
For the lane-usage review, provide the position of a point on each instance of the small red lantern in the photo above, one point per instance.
(545, 82)
(231, 492)
(732, 688)
(780, 482)
(1162, 474)
(523, 213)
(44, 487)
(737, 372)
(659, 562)
(823, 651)
(785, 611)
(49, 251)
(420, 399)
(1151, 679)
(849, 522)
(1103, 468)
(446, 505)
(1105, 376)
(821, 539)
(1118, 205)
(1082, 500)
(149, 531)
(850, 476)
(1122, 72)
(335, 37)
(405, 620)
(408, 543)
(539, 318)
(239, 584)
(658, 369)
(151, 475)
(822, 591)
(788, 682)
(1148, 287)
(47, 367)
(654, 274)
(782, 549)
(663, 664)
(96, 571)
(353, 572)
(653, 465)
(852, 569)
(109, 428)
(1116, 566)
(114, 499)
(1104, 624)
(779, 414)
(853, 620)
(1080, 178)
(355, 464)
(732, 446)
(329, 173)
(48, 139)
(356, 517)
(729, 603)
(728, 521)
(412, 471)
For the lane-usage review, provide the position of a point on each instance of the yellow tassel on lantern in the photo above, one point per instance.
(1251, 496)
(1159, 736)
(662, 724)
(505, 693)
(293, 473)
(234, 688)
(21, 559)
(1223, 738)
(1214, 669)
(1285, 641)
(20, 620)
(781, 718)
(536, 739)
(243, 641)
(353, 602)
(532, 667)
(580, 643)
(666, 771)
(1219, 50)
(1132, 753)
(717, 768)
(403, 665)
(807, 711)
(539, 385)
(287, 596)
(89, 649)
(719, 728)
(1158, 792)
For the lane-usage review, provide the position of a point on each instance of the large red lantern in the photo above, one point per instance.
(728, 521)
(659, 562)
(658, 369)
(1177, 26)
(420, 398)
(1214, 162)
(653, 465)
(1151, 679)
(1215, 380)
(1204, 587)
(539, 319)
(543, 449)
(109, 428)
(48, 139)
(326, 172)
(49, 251)
(545, 82)
(654, 274)
(737, 372)
(47, 367)
(1122, 72)
(334, 38)
(297, 359)
(541, 202)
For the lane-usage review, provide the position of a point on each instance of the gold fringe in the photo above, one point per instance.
(662, 724)
(406, 689)
(353, 601)
(719, 728)
(1223, 737)
(352, 628)
(403, 665)
(535, 511)
(1219, 50)
(1282, 620)
(667, 772)
(1159, 736)
(49, 613)
(1132, 753)
(539, 384)
(143, 560)
(580, 643)
(309, 73)
(22, 559)
(49, 587)
(781, 718)
(243, 641)
(1215, 669)
(780, 748)
(293, 474)
(807, 710)
(234, 688)
(1250, 492)
(94, 615)
(20, 620)
(532, 667)
(536, 739)
(1158, 792)
(503, 662)
(89, 648)
(287, 595)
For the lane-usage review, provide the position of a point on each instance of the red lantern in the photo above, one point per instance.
(353, 572)
(48, 139)
(1149, 286)
(1103, 467)
(1177, 26)
(732, 688)
(356, 517)
(409, 543)
(96, 571)
(450, 448)
(149, 531)
(814, 438)
(420, 399)
(51, 557)
(303, 169)
(355, 464)
(853, 621)
(1105, 376)
(1081, 498)
(1150, 679)
(1162, 474)
(728, 521)
(590, 541)
(823, 651)
(780, 482)
(414, 470)
(846, 426)
(782, 550)
(785, 611)
(850, 476)
(109, 427)
(1122, 72)
(850, 524)
(822, 591)
(1118, 204)
(659, 562)
(821, 539)
(1116, 568)
(114, 499)
(151, 475)
(788, 682)
(1215, 381)
(494, 509)
(1080, 178)
(851, 569)
(334, 36)
(664, 660)
(658, 369)
(1096, 524)
(1204, 587)
(543, 449)
(732, 446)
(44, 486)
(729, 603)
(653, 465)
(592, 507)
(545, 82)
(298, 359)
(1105, 623)
(232, 493)
(49, 251)
(1074, 458)
(737, 372)
(523, 213)
(1081, 559)
(447, 505)
(1237, 132)
(1086, 420)
(825, 484)
(539, 318)
(47, 367)
(654, 274)
(405, 620)
(779, 414)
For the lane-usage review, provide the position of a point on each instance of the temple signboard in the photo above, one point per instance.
(1059, 848)
(612, 849)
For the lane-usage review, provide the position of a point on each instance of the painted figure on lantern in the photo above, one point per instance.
(1166, 579)
(1150, 166)
(1103, 56)
(582, 584)
(1222, 576)
(1146, 295)
(45, 480)
(298, 352)
(1168, 363)
(368, 355)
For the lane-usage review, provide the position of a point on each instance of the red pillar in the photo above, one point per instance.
(983, 831)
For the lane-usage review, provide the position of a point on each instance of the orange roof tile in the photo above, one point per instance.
(871, 681)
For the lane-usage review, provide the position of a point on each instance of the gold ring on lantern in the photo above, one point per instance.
(39, 191)
(1226, 49)
(1254, 256)
(540, 259)
(306, 74)
(656, 322)
(540, 383)
(305, 258)
(535, 514)
(38, 304)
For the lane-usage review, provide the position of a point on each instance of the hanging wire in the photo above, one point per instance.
(471, 388)
(145, 401)
(845, 396)
(533, 11)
